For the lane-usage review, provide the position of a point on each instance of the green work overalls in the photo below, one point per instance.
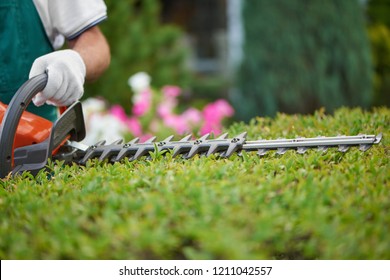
(22, 40)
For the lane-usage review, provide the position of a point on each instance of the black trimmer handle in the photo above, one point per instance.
(12, 116)
(69, 126)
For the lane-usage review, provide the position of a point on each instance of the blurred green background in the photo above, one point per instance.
(263, 56)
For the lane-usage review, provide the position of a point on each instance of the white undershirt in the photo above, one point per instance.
(69, 18)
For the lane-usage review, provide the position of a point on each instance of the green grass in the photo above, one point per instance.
(311, 206)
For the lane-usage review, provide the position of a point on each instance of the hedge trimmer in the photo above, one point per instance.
(28, 141)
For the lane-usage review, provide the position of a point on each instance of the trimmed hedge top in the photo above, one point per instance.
(315, 206)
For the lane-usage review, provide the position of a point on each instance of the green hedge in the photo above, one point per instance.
(303, 55)
(311, 206)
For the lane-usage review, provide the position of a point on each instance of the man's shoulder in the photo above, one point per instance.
(69, 18)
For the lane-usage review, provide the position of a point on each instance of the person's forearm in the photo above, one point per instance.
(94, 50)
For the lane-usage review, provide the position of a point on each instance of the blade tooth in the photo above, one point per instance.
(302, 150)
(177, 151)
(88, 155)
(106, 154)
(213, 148)
(117, 142)
(168, 139)
(281, 151)
(84, 160)
(232, 148)
(141, 152)
(204, 137)
(323, 148)
(186, 138)
(235, 144)
(122, 154)
(125, 151)
(262, 152)
(223, 136)
(110, 149)
(134, 141)
(160, 145)
(180, 146)
(343, 148)
(91, 152)
(364, 147)
(195, 146)
(150, 140)
(378, 138)
(194, 150)
(242, 135)
(100, 143)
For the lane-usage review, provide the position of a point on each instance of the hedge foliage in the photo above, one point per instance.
(311, 206)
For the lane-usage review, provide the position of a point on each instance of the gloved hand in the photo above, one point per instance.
(66, 74)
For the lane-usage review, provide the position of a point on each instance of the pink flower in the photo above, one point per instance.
(192, 116)
(215, 128)
(171, 91)
(132, 123)
(224, 108)
(166, 107)
(218, 110)
(118, 112)
(164, 110)
(177, 123)
(134, 126)
(142, 103)
(213, 115)
(144, 137)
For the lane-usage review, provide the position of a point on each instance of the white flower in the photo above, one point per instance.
(99, 124)
(93, 105)
(103, 127)
(139, 82)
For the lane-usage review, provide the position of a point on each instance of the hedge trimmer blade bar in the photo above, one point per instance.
(223, 146)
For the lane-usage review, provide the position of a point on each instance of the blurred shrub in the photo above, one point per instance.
(379, 34)
(302, 55)
(379, 11)
(139, 42)
(380, 43)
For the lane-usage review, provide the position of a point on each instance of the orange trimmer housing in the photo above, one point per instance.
(32, 129)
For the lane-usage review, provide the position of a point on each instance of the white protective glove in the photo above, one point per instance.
(66, 74)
